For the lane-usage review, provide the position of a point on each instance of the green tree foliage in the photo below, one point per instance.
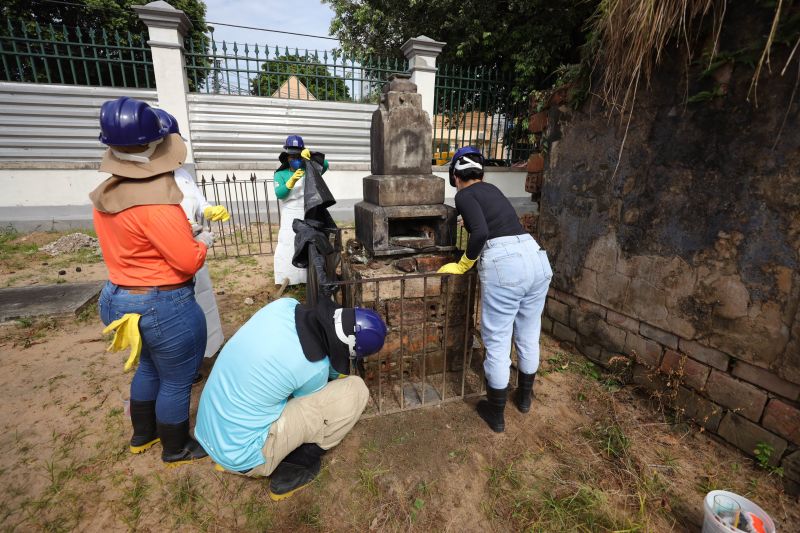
(311, 73)
(528, 39)
(113, 16)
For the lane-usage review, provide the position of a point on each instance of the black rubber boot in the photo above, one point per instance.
(297, 470)
(178, 446)
(522, 399)
(491, 409)
(143, 419)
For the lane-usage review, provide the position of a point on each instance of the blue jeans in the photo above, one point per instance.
(515, 275)
(173, 330)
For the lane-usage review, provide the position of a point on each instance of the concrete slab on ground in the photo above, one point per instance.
(47, 300)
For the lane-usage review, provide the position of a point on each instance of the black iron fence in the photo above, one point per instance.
(255, 214)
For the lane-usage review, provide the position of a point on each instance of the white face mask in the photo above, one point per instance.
(141, 157)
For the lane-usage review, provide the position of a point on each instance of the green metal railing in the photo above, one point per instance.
(473, 107)
(244, 69)
(35, 54)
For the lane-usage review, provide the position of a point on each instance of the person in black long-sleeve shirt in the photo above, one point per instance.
(515, 275)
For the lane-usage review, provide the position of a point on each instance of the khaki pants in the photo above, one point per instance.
(322, 418)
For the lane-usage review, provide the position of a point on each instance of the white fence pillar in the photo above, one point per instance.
(167, 27)
(421, 53)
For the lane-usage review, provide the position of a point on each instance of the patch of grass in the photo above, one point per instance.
(132, 499)
(367, 479)
(88, 313)
(247, 260)
(257, 513)
(184, 499)
(763, 453)
(311, 517)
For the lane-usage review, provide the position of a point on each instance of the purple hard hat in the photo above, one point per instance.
(129, 122)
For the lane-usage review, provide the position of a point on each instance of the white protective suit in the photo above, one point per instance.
(292, 207)
(193, 204)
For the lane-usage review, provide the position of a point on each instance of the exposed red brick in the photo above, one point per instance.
(704, 354)
(413, 340)
(625, 322)
(431, 263)
(685, 369)
(746, 435)
(783, 419)
(739, 396)
(413, 311)
(766, 380)
(667, 339)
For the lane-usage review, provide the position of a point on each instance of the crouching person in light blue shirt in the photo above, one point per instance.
(273, 404)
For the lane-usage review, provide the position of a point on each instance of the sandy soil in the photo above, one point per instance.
(591, 456)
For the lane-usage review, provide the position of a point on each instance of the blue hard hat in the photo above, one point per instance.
(129, 122)
(294, 144)
(370, 331)
(167, 120)
(474, 156)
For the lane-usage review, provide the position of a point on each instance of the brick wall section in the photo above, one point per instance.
(743, 404)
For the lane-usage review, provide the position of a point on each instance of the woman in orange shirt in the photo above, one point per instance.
(151, 255)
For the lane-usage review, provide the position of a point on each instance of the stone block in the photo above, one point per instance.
(645, 350)
(783, 419)
(557, 311)
(667, 339)
(595, 330)
(377, 225)
(602, 254)
(791, 466)
(406, 264)
(649, 379)
(685, 370)
(625, 322)
(416, 189)
(698, 409)
(746, 435)
(374, 284)
(547, 325)
(432, 263)
(591, 307)
(561, 296)
(704, 354)
(745, 399)
(564, 333)
(766, 380)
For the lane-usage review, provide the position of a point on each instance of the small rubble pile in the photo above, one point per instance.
(71, 243)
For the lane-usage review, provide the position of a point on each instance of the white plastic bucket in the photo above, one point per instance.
(712, 525)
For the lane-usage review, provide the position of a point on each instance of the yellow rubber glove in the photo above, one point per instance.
(306, 154)
(457, 268)
(299, 173)
(216, 212)
(126, 335)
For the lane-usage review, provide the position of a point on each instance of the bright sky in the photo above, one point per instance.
(301, 16)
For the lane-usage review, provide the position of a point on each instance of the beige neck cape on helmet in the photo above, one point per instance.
(133, 183)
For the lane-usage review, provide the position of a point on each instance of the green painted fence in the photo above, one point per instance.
(58, 54)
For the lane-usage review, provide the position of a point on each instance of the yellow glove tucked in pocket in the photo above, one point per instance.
(126, 335)
(306, 154)
(457, 268)
(216, 212)
(299, 173)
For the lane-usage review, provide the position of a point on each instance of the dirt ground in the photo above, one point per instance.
(591, 456)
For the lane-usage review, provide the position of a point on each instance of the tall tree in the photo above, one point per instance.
(111, 16)
(525, 38)
(308, 70)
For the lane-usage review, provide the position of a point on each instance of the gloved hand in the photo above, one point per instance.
(299, 173)
(206, 237)
(197, 229)
(457, 268)
(216, 212)
(306, 154)
(126, 335)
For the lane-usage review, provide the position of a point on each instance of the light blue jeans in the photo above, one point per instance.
(515, 275)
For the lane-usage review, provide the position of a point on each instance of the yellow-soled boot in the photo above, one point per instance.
(143, 420)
